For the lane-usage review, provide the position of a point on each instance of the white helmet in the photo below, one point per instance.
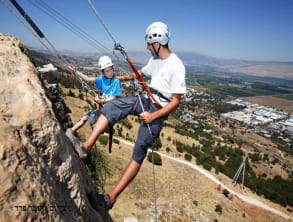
(157, 32)
(105, 62)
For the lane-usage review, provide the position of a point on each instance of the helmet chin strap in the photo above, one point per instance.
(156, 51)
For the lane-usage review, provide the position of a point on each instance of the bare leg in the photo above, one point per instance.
(99, 128)
(128, 175)
(79, 124)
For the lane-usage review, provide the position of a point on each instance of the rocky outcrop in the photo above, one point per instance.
(59, 107)
(41, 177)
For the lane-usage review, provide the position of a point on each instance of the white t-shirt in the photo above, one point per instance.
(167, 76)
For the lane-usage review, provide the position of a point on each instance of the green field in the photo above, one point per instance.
(289, 96)
(241, 86)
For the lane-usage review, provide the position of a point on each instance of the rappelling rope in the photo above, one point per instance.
(40, 35)
(29, 29)
(99, 17)
(118, 47)
(75, 29)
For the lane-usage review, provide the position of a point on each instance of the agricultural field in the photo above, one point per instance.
(288, 96)
(239, 85)
(278, 103)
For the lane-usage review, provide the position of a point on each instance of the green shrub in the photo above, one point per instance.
(103, 140)
(116, 141)
(219, 209)
(157, 144)
(226, 192)
(126, 123)
(187, 157)
(97, 166)
(70, 93)
(179, 149)
(80, 95)
(157, 158)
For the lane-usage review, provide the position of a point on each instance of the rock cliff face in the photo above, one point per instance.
(41, 177)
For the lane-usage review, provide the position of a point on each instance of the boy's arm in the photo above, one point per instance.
(99, 99)
(108, 99)
(81, 75)
(129, 76)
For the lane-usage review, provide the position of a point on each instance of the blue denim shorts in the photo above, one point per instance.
(120, 108)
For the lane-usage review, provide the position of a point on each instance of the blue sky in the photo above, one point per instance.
(237, 29)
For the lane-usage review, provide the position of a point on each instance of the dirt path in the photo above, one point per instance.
(247, 199)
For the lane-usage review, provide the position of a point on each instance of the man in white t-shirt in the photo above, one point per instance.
(167, 85)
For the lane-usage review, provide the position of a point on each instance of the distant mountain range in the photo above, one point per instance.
(273, 69)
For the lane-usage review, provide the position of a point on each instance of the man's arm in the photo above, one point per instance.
(170, 107)
(129, 76)
(81, 75)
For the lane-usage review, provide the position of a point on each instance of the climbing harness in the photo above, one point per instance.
(118, 47)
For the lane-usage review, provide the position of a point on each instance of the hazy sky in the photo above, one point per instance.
(240, 29)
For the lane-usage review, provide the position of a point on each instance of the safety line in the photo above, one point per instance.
(76, 29)
(29, 29)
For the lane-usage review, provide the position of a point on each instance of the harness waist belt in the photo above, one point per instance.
(156, 92)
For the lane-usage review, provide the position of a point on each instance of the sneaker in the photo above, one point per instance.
(69, 133)
(100, 201)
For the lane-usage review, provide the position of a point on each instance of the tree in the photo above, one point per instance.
(219, 209)
(70, 93)
(157, 144)
(187, 157)
(80, 95)
(266, 157)
(157, 158)
(226, 192)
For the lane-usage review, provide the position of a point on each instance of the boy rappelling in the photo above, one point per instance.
(110, 87)
(167, 74)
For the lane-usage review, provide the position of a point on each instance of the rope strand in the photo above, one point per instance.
(117, 46)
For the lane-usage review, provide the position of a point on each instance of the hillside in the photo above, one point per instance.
(183, 193)
(219, 152)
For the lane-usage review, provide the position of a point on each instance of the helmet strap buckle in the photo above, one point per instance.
(156, 51)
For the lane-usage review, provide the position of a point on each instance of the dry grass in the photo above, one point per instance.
(278, 103)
